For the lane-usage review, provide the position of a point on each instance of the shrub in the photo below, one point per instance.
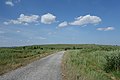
(113, 63)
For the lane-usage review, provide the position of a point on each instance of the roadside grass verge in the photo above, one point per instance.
(11, 59)
(90, 64)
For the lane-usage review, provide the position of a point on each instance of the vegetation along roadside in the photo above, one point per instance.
(93, 63)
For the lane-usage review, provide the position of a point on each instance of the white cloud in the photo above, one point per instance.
(10, 3)
(48, 18)
(28, 19)
(63, 24)
(24, 19)
(38, 37)
(106, 29)
(41, 38)
(6, 23)
(85, 20)
(18, 31)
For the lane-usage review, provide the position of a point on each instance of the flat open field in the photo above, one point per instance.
(80, 61)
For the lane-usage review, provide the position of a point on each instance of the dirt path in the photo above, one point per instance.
(48, 68)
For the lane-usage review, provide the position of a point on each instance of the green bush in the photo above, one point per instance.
(113, 63)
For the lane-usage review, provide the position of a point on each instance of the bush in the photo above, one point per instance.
(113, 63)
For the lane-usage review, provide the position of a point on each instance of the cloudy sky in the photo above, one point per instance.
(31, 22)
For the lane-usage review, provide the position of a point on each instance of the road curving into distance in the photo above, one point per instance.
(48, 68)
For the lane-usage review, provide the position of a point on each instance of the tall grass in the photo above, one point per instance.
(91, 64)
(12, 58)
(113, 62)
(86, 61)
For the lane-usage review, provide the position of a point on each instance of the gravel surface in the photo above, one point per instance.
(48, 68)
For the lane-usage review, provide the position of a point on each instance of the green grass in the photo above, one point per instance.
(84, 61)
(89, 64)
(12, 58)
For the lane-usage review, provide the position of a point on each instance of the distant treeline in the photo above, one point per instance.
(67, 47)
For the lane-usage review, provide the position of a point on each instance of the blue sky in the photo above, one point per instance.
(31, 22)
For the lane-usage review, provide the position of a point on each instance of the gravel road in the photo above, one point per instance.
(48, 68)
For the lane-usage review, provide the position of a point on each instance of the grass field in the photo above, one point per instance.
(12, 58)
(80, 62)
(92, 63)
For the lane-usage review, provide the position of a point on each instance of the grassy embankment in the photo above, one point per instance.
(93, 62)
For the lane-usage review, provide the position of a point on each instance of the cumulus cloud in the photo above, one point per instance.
(63, 24)
(24, 19)
(9, 3)
(85, 20)
(106, 29)
(28, 19)
(48, 18)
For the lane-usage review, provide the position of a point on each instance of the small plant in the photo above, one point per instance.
(113, 63)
